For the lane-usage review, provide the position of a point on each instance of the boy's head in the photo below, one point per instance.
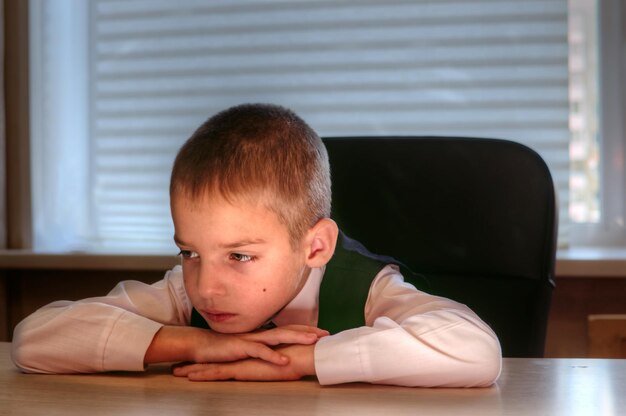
(250, 200)
(259, 152)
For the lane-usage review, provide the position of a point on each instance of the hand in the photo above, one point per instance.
(174, 343)
(301, 363)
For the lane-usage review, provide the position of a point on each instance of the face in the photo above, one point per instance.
(238, 264)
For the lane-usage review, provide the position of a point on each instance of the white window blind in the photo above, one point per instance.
(157, 69)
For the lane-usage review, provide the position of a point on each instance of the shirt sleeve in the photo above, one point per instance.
(104, 333)
(411, 339)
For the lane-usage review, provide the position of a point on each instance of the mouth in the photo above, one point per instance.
(218, 316)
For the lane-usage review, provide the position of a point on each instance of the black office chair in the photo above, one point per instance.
(477, 217)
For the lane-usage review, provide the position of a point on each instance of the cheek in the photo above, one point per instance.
(189, 279)
(272, 284)
(291, 279)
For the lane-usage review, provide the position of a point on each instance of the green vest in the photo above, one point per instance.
(345, 286)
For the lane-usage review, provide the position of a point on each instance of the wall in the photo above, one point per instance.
(573, 300)
(27, 290)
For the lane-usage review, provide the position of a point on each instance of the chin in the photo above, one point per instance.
(231, 328)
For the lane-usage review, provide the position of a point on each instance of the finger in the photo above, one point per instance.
(213, 372)
(181, 364)
(263, 352)
(283, 336)
(246, 370)
(287, 335)
(219, 371)
(305, 328)
(183, 370)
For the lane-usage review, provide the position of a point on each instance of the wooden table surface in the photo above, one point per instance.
(526, 387)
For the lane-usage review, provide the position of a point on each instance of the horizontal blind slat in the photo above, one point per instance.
(464, 68)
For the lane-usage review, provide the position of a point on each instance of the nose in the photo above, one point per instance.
(210, 281)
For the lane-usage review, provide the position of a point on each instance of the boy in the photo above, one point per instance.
(250, 200)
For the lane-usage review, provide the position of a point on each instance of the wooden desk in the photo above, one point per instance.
(526, 387)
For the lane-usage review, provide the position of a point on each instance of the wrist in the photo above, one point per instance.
(171, 344)
(304, 359)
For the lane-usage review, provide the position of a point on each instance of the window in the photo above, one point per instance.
(117, 86)
(599, 133)
(584, 205)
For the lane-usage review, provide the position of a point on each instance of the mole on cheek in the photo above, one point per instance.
(264, 290)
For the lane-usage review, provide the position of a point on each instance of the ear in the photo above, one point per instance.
(321, 240)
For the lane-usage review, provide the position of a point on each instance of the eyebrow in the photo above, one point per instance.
(178, 241)
(242, 243)
(234, 244)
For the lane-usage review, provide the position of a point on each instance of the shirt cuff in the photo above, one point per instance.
(126, 346)
(338, 358)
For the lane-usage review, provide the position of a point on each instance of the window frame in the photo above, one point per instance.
(17, 219)
(18, 216)
(611, 230)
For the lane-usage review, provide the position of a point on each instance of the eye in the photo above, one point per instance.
(188, 254)
(242, 258)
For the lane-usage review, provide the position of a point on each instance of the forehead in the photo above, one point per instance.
(216, 203)
(216, 220)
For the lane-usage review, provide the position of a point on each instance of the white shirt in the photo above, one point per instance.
(411, 338)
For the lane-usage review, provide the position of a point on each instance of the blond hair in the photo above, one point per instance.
(258, 151)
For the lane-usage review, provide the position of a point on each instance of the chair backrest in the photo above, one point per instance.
(477, 217)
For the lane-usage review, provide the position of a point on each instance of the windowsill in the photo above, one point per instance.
(571, 263)
(591, 262)
(26, 259)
